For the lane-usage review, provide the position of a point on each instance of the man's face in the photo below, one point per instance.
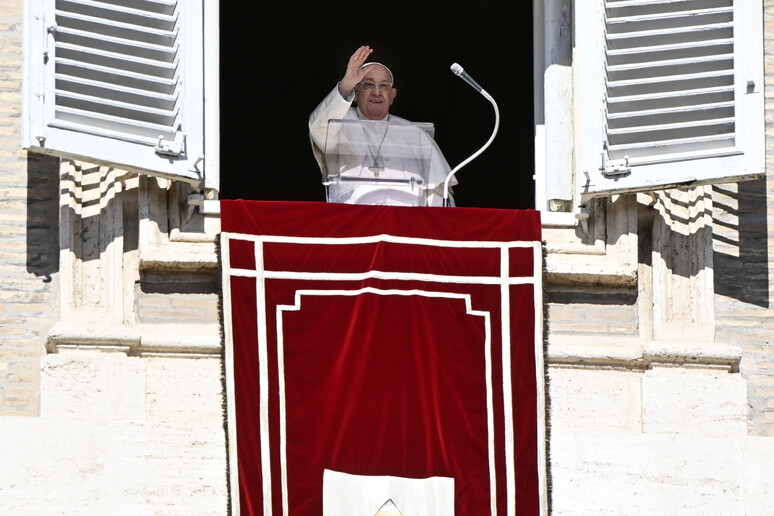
(375, 103)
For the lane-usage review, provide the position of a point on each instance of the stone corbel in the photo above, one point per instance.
(167, 239)
(601, 252)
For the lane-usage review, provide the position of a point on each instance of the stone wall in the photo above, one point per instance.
(118, 435)
(28, 237)
(743, 257)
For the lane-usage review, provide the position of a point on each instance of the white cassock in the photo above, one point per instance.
(334, 107)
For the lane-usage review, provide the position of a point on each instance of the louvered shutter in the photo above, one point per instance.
(678, 93)
(117, 82)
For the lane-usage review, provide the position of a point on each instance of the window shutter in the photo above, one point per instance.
(680, 94)
(118, 82)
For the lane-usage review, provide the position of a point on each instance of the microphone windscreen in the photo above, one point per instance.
(457, 69)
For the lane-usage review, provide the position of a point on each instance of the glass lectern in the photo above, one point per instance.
(377, 162)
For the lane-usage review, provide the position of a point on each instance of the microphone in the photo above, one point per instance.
(459, 72)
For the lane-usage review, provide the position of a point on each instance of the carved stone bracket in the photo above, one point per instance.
(103, 213)
(682, 266)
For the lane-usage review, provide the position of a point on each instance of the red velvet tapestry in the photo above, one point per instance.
(377, 341)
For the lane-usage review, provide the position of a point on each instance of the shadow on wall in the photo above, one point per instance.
(100, 208)
(42, 215)
(740, 256)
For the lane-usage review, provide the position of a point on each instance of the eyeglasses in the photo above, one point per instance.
(383, 86)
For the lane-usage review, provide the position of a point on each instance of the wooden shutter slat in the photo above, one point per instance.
(671, 79)
(715, 58)
(121, 75)
(658, 33)
(671, 110)
(103, 27)
(122, 13)
(120, 125)
(710, 142)
(120, 61)
(670, 47)
(159, 6)
(108, 105)
(118, 91)
(117, 45)
(651, 128)
(729, 89)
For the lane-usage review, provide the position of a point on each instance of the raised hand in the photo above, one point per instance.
(354, 73)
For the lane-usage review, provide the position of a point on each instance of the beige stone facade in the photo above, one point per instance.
(660, 341)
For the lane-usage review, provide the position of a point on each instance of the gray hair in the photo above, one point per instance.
(392, 79)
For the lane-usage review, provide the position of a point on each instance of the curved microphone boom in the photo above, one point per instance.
(459, 72)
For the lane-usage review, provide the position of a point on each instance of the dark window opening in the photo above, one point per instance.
(278, 60)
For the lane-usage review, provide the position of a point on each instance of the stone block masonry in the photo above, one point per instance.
(28, 236)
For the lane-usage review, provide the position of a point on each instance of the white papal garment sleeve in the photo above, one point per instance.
(332, 107)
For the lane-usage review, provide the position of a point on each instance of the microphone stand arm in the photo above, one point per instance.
(446, 201)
